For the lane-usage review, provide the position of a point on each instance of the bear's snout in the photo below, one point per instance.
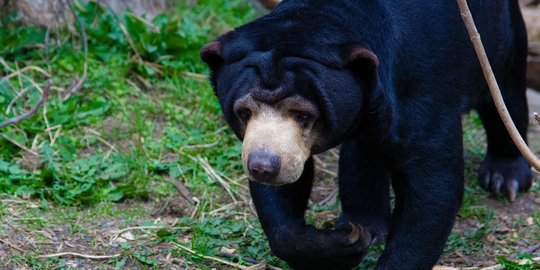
(263, 165)
(276, 144)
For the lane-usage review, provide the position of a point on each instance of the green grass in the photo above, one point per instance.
(134, 122)
(145, 115)
(106, 157)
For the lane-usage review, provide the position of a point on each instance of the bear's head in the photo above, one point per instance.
(289, 93)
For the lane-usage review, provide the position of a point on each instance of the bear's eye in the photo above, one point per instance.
(301, 116)
(244, 114)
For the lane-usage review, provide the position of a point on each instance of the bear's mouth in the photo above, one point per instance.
(277, 138)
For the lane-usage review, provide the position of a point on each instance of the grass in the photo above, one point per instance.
(134, 122)
(97, 171)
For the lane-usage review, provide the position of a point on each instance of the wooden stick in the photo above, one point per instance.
(75, 88)
(75, 254)
(121, 231)
(494, 87)
(183, 190)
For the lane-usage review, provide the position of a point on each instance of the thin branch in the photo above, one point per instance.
(80, 82)
(121, 231)
(99, 138)
(196, 76)
(23, 70)
(182, 189)
(28, 114)
(212, 173)
(75, 254)
(20, 73)
(330, 198)
(494, 87)
(126, 34)
(19, 145)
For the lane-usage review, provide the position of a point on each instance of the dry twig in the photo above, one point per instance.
(182, 189)
(196, 76)
(211, 172)
(80, 82)
(121, 231)
(75, 254)
(494, 87)
(25, 69)
(19, 145)
(99, 138)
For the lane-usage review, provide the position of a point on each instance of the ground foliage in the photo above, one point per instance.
(139, 95)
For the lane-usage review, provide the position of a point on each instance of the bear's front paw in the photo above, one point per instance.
(505, 175)
(308, 248)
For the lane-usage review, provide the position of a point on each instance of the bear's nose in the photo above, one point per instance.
(263, 166)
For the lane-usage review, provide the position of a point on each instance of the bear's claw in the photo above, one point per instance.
(506, 176)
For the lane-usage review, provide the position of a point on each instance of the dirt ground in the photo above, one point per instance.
(22, 234)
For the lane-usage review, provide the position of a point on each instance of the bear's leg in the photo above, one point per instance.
(428, 184)
(504, 170)
(364, 186)
(281, 213)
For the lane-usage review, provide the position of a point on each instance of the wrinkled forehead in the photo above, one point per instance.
(269, 77)
(295, 102)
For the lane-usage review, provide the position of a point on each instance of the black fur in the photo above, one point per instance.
(399, 121)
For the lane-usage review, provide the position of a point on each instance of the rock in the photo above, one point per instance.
(491, 238)
(56, 13)
(502, 229)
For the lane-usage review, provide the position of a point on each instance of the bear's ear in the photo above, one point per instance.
(212, 55)
(360, 59)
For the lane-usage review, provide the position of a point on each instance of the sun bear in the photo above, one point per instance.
(389, 81)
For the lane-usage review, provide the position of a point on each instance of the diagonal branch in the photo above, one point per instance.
(75, 88)
(494, 87)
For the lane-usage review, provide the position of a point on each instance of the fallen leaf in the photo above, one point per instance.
(128, 236)
(441, 267)
(491, 238)
(227, 250)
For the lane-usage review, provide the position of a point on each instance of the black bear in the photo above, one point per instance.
(389, 81)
